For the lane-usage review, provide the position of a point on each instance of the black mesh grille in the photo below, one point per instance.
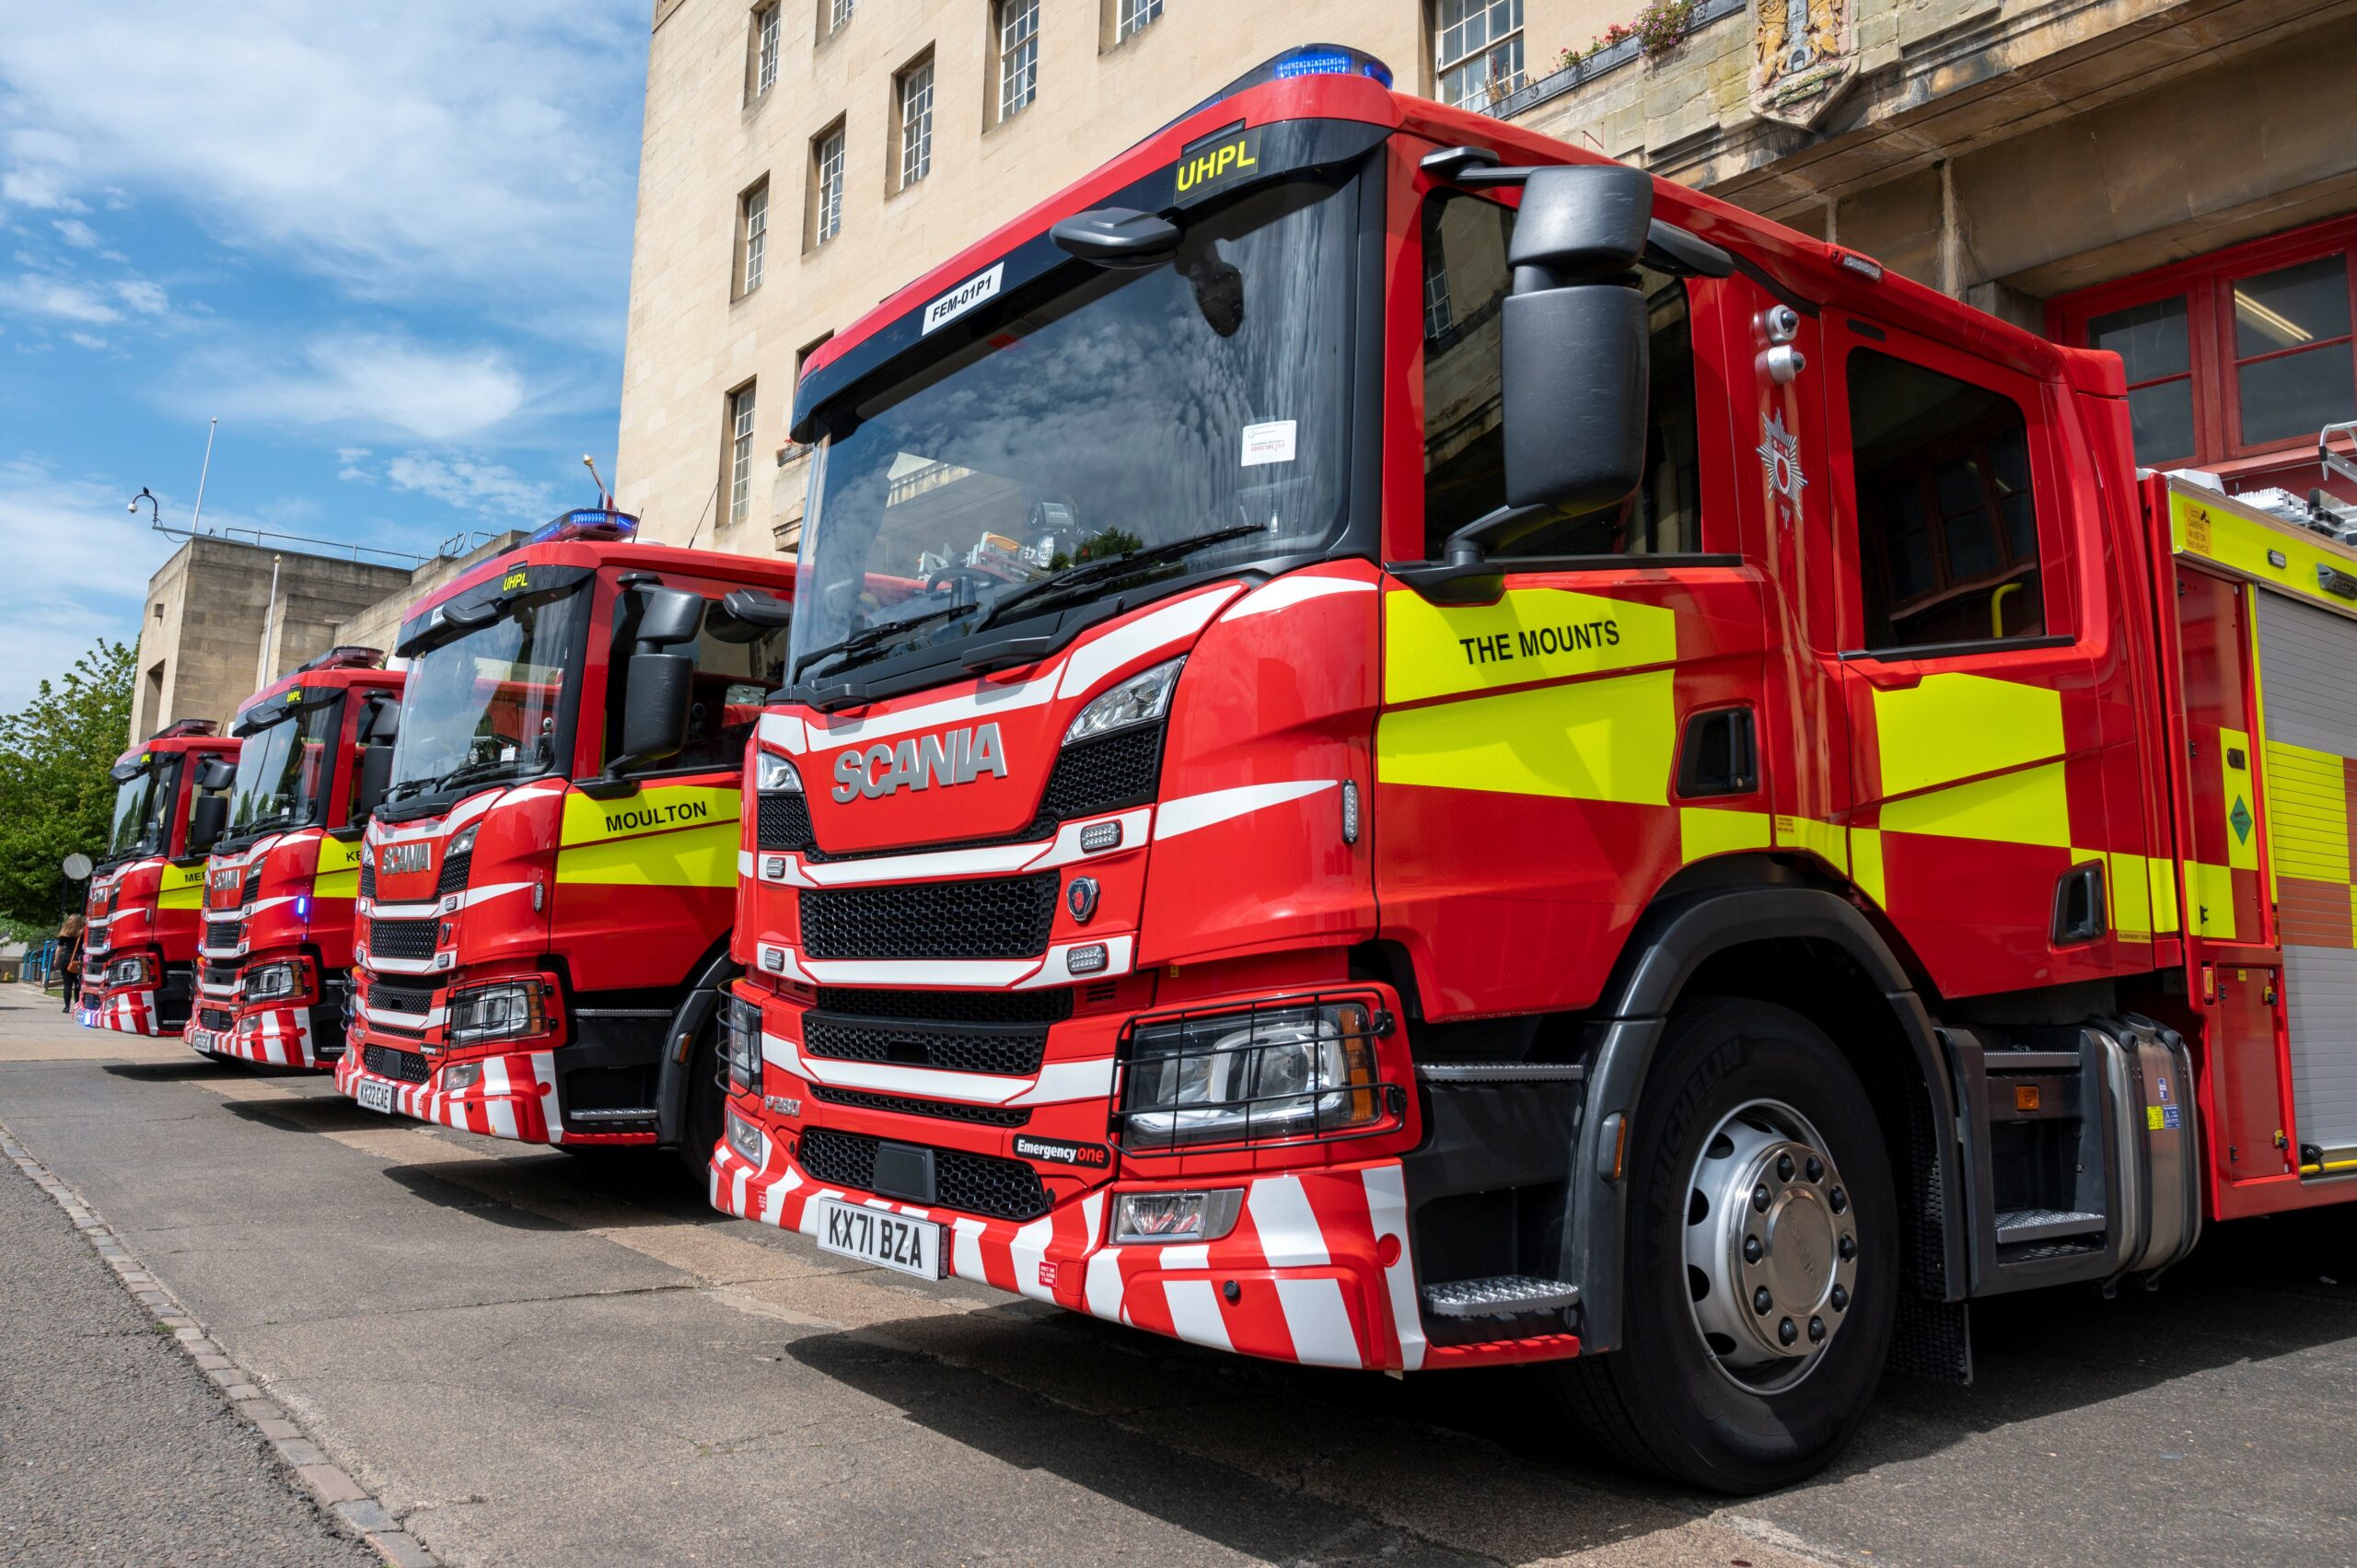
(454, 874)
(409, 939)
(367, 876)
(946, 1110)
(1103, 774)
(416, 1000)
(223, 936)
(949, 1006)
(976, 1184)
(1010, 1051)
(1002, 917)
(784, 821)
(217, 1019)
(253, 887)
(220, 973)
(401, 1066)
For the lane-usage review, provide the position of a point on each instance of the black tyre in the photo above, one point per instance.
(1762, 1261)
(699, 1117)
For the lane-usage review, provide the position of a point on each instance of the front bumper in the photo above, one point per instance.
(1317, 1271)
(274, 1037)
(132, 1010)
(516, 1098)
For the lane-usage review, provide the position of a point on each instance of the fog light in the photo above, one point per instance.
(1086, 960)
(747, 1142)
(1177, 1216)
(460, 1077)
(741, 1023)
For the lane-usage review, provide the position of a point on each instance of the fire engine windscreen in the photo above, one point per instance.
(282, 770)
(488, 705)
(1197, 410)
(140, 802)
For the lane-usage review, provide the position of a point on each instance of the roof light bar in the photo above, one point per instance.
(346, 656)
(1307, 60)
(180, 727)
(587, 522)
(1864, 266)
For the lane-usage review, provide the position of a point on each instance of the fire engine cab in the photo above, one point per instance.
(1406, 747)
(138, 963)
(283, 874)
(547, 872)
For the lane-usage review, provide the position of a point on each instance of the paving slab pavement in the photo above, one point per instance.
(531, 1356)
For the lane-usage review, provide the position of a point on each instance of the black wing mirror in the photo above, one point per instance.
(206, 816)
(660, 686)
(376, 778)
(755, 608)
(216, 773)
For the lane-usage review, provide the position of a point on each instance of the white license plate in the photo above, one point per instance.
(374, 1095)
(891, 1241)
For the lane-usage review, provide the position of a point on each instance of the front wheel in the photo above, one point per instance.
(704, 1097)
(1762, 1257)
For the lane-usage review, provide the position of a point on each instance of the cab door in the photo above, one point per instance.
(1974, 617)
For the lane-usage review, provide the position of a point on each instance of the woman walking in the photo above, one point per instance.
(69, 953)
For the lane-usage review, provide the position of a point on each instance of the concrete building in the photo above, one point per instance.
(226, 618)
(2173, 180)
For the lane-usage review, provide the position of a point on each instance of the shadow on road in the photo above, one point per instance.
(203, 1067)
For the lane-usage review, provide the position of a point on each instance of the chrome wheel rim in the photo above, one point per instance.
(1771, 1247)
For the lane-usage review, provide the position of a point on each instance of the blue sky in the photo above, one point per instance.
(388, 247)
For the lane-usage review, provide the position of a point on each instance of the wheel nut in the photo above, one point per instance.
(1784, 1168)
(1840, 1297)
(1849, 1247)
(1816, 1330)
(1761, 1302)
(1838, 1201)
(1815, 1169)
(1786, 1333)
(1752, 1250)
(1760, 1198)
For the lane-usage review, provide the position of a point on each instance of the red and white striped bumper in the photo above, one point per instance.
(515, 1099)
(275, 1037)
(130, 1011)
(1318, 1261)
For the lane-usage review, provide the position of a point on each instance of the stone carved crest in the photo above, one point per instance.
(1802, 52)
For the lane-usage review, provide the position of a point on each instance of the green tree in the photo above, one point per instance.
(56, 797)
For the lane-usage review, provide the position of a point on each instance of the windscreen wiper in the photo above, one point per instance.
(859, 641)
(464, 773)
(1111, 566)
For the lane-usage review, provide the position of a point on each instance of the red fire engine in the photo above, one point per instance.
(138, 959)
(548, 873)
(284, 875)
(1406, 747)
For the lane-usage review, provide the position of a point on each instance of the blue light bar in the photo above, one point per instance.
(1308, 59)
(586, 522)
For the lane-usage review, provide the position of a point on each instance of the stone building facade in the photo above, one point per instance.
(2173, 181)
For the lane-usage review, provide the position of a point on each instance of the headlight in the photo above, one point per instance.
(271, 983)
(1177, 1216)
(741, 1043)
(136, 970)
(1142, 699)
(461, 1077)
(749, 1142)
(497, 1012)
(463, 844)
(774, 774)
(1279, 1073)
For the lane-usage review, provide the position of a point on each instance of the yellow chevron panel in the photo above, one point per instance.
(1436, 650)
(695, 857)
(1954, 727)
(2026, 807)
(2308, 813)
(1608, 739)
(1707, 831)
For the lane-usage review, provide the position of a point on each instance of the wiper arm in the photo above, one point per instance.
(858, 640)
(1111, 566)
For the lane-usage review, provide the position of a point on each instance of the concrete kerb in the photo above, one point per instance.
(338, 1494)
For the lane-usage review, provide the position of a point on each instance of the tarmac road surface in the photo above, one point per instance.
(531, 1357)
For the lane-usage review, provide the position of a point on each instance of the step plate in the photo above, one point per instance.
(2016, 1227)
(1505, 1295)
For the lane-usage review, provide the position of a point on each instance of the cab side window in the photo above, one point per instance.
(733, 678)
(1466, 280)
(1947, 518)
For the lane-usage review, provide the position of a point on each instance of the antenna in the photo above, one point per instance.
(195, 523)
(605, 496)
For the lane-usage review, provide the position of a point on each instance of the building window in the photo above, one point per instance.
(740, 453)
(2234, 360)
(913, 101)
(1948, 523)
(826, 185)
(1466, 280)
(1133, 16)
(752, 228)
(1476, 51)
(838, 13)
(1019, 55)
(765, 31)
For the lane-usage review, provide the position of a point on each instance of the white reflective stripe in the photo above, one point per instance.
(1286, 592)
(377, 911)
(966, 1251)
(1056, 969)
(401, 966)
(774, 1199)
(784, 731)
(1288, 1228)
(744, 862)
(931, 1083)
(503, 1117)
(1195, 1313)
(1199, 1256)
(1319, 1322)
(969, 974)
(1386, 1207)
(1090, 662)
(552, 1113)
(1062, 850)
(736, 1180)
(474, 896)
(1059, 1081)
(428, 1019)
(1103, 1292)
(1029, 1249)
(1190, 812)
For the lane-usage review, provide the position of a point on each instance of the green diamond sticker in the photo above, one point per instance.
(2240, 818)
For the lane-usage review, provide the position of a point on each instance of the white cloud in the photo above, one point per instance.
(485, 488)
(87, 340)
(362, 381)
(33, 295)
(78, 569)
(401, 151)
(143, 296)
(76, 233)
